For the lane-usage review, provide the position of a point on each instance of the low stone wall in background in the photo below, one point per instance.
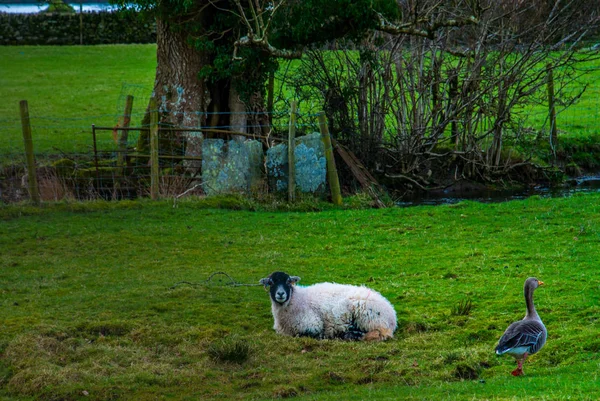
(231, 166)
(310, 166)
(64, 29)
(238, 166)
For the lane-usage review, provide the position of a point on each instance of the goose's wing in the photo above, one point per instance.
(528, 335)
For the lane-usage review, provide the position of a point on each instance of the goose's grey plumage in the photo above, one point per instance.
(527, 336)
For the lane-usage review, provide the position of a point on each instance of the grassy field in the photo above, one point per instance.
(69, 88)
(93, 304)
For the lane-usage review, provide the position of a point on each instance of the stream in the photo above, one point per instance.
(451, 196)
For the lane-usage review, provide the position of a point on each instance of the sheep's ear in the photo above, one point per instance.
(294, 279)
(265, 281)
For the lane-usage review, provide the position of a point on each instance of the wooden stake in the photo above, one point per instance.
(332, 175)
(123, 123)
(32, 177)
(153, 149)
(552, 107)
(452, 93)
(96, 155)
(291, 157)
(270, 94)
(80, 23)
(362, 175)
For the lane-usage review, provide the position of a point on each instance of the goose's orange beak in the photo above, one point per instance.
(540, 282)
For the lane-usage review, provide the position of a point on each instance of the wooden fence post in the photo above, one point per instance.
(80, 23)
(291, 157)
(332, 175)
(122, 141)
(552, 107)
(32, 177)
(452, 93)
(153, 149)
(270, 94)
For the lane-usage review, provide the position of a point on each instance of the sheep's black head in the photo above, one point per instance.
(281, 286)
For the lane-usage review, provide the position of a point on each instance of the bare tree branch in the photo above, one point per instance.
(427, 31)
(263, 44)
(257, 35)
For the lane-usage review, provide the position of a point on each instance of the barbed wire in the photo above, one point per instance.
(231, 283)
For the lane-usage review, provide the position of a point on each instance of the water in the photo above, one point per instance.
(22, 8)
(581, 184)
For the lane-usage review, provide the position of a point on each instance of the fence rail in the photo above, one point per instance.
(122, 164)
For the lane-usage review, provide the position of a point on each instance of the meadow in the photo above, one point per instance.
(108, 301)
(115, 300)
(69, 88)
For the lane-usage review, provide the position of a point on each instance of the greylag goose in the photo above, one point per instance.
(527, 336)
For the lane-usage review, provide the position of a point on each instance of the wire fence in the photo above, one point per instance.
(76, 161)
(97, 157)
(577, 108)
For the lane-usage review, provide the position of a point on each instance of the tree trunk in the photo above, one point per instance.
(181, 96)
(237, 107)
(184, 100)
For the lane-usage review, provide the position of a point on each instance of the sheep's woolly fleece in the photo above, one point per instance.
(329, 310)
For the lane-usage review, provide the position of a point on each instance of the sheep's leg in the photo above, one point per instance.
(374, 335)
(353, 335)
(378, 335)
(312, 334)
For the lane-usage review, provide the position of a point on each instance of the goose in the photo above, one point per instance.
(524, 337)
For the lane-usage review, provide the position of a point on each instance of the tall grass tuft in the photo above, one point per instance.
(463, 308)
(230, 349)
(466, 371)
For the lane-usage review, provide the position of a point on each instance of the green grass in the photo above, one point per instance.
(68, 89)
(92, 300)
(580, 120)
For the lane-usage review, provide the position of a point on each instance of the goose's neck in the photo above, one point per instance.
(531, 312)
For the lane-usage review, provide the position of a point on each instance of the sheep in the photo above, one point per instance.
(329, 310)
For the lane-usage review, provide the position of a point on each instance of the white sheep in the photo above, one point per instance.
(328, 310)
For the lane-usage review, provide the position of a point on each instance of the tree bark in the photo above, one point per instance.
(182, 97)
(178, 90)
(238, 119)
(186, 100)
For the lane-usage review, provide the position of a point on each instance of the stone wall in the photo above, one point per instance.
(64, 29)
(311, 166)
(238, 166)
(231, 166)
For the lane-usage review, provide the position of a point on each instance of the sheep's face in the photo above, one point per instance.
(281, 286)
